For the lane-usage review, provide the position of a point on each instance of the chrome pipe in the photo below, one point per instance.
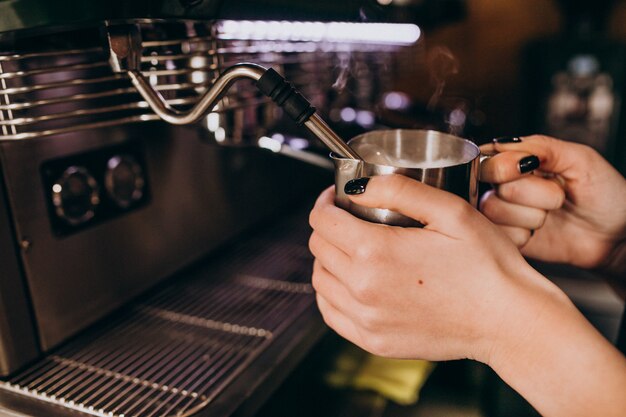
(125, 57)
(206, 103)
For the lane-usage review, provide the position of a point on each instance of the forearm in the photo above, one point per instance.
(555, 359)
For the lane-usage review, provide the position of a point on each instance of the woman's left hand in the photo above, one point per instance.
(453, 289)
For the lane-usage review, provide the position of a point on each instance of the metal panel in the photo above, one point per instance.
(18, 341)
(201, 196)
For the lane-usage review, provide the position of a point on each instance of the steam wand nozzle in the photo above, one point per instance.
(283, 93)
(124, 44)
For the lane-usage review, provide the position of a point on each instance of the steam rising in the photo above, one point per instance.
(442, 64)
(344, 73)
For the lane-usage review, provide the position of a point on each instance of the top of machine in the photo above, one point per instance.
(36, 14)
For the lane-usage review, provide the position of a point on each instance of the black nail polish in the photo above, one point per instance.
(507, 139)
(527, 164)
(356, 186)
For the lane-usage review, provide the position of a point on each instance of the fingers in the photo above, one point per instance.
(330, 257)
(556, 156)
(518, 235)
(507, 166)
(504, 213)
(336, 320)
(335, 302)
(338, 227)
(431, 206)
(333, 290)
(533, 191)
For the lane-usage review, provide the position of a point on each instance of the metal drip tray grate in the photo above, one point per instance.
(171, 354)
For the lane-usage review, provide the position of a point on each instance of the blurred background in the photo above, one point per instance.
(483, 69)
(498, 68)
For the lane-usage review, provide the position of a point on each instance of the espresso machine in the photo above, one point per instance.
(149, 269)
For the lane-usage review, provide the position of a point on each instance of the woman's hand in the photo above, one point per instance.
(575, 203)
(442, 292)
(458, 288)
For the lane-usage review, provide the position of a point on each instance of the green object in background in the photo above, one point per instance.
(395, 379)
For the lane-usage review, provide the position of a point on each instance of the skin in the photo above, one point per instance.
(459, 288)
(578, 214)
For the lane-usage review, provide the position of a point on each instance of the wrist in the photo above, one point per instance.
(535, 306)
(554, 358)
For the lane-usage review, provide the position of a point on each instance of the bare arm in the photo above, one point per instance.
(561, 364)
(458, 288)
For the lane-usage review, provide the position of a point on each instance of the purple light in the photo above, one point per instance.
(348, 114)
(299, 143)
(365, 118)
(395, 100)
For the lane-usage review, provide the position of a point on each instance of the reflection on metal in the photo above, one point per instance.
(205, 104)
(55, 91)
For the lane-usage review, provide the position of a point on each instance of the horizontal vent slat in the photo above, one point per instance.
(75, 67)
(40, 90)
(127, 106)
(45, 54)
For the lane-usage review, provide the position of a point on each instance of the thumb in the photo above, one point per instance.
(556, 156)
(507, 166)
(433, 207)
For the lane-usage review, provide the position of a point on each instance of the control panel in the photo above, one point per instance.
(86, 189)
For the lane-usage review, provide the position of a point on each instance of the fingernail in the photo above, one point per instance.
(507, 139)
(356, 186)
(527, 164)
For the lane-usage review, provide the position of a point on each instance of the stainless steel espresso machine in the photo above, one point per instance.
(156, 270)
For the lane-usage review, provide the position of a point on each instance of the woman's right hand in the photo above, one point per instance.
(572, 209)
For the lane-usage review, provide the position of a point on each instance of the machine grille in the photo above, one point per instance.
(173, 352)
(62, 82)
(61, 89)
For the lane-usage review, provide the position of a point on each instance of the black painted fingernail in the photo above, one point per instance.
(527, 164)
(356, 186)
(507, 139)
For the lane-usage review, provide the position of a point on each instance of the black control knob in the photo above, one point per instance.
(75, 196)
(124, 180)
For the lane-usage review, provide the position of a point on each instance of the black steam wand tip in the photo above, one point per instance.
(283, 93)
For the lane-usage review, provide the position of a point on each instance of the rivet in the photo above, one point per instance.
(26, 244)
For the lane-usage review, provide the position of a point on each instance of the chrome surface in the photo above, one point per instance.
(437, 159)
(60, 195)
(323, 132)
(125, 46)
(58, 90)
(70, 89)
(196, 203)
(172, 353)
(205, 103)
(130, 192)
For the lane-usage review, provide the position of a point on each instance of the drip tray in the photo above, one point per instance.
(174, 352)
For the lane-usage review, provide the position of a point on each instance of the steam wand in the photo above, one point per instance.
(124, 43)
